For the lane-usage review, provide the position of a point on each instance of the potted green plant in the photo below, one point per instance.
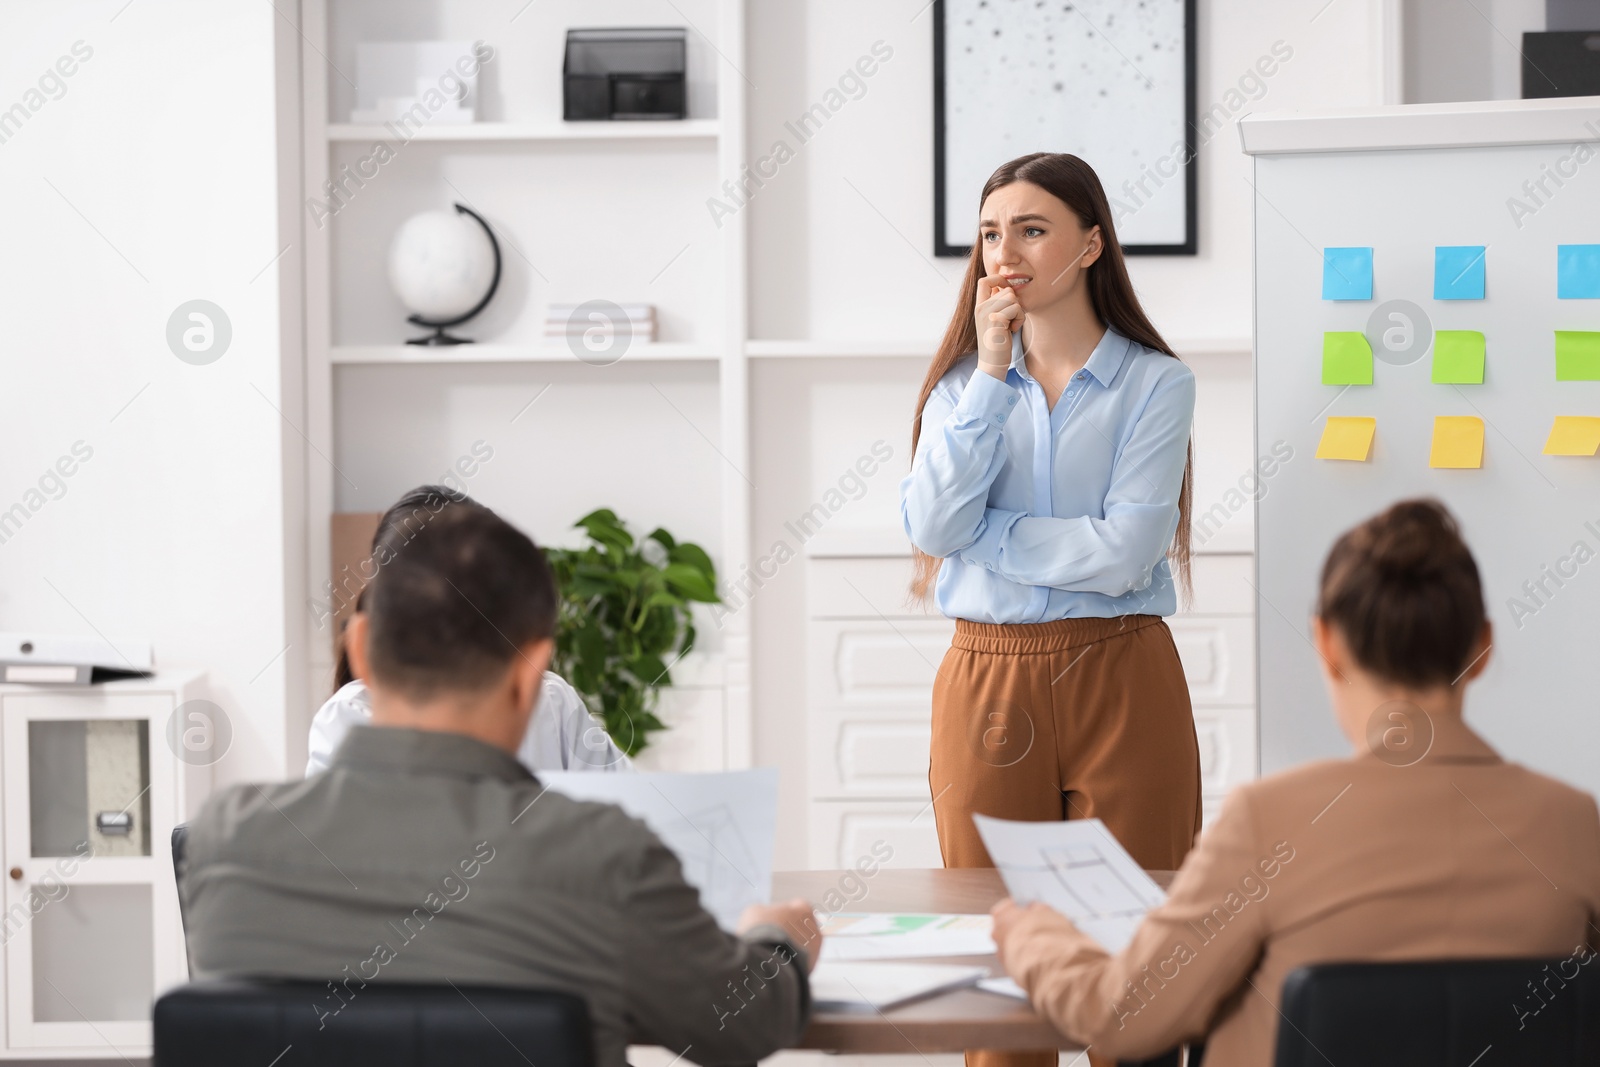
(624, 619)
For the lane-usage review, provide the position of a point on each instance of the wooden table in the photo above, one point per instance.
(949, 1022)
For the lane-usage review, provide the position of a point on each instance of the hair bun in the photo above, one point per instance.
(1403, 590)
(1411, 540)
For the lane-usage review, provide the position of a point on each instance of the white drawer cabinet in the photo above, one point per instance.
(870, 683)
(843, 831)
(872, 657)
(92, 788)
(1218, 654)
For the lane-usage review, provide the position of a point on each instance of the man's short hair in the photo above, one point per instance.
(454, 603)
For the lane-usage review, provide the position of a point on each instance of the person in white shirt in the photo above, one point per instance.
(563, 735)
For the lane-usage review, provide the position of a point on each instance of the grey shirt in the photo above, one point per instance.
(420, 856)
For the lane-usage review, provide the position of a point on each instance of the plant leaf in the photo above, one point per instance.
(692, 554)
(691, 582)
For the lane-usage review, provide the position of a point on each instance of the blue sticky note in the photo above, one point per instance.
(1578, 272)
(1347, 274)
(1458, 272)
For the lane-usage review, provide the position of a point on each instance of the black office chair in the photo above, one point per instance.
(1170, 1059)
(227, 1023)
(180, 845)
(1429, 1014)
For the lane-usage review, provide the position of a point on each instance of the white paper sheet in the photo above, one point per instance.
(1006, 987)
(1078, 868)
(721, 826)
(899, 936)
(868, 986)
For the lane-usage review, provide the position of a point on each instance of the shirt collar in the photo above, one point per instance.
(401, 749)
(1104, 362)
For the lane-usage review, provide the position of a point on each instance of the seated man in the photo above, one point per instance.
(1424, 844)
(426, 851)
(563, 735)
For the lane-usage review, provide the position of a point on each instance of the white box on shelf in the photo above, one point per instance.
(394, 78)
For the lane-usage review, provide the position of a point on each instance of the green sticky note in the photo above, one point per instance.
(1577, 356)
(1458, 357)
(1346, 359)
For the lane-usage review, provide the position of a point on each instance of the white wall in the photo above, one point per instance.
(1467, 51)
(151, 181)
(842, 235)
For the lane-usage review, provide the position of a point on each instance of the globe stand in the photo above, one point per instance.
(439, 337)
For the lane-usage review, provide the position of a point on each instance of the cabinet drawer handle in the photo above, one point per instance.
(16, 874)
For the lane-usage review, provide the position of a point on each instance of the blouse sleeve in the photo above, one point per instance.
(1191, 953)
(959, 453)
(1112, 555)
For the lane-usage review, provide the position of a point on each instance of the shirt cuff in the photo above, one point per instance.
(1035, 945)
(773, 934)
(985, 551)
(987, 398)
(777, 938)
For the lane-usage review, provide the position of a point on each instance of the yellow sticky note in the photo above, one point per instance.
(1573, 435)
(1457, 441)
(1347, 438)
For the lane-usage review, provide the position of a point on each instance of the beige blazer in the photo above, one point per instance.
(1458, 854)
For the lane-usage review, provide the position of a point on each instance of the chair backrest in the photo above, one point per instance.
(180, 846)
(289, 1024)
(1489, 1013)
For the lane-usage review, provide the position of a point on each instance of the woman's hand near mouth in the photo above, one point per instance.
(997, 316)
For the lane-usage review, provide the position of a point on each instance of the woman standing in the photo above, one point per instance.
(1049, 485)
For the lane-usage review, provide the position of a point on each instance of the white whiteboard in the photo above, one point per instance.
(1539, 700)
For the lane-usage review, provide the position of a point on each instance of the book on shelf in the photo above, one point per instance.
(575, 320)
(636, 331)
(566, 312)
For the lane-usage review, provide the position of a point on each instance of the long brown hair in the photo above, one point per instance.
(1073, 182)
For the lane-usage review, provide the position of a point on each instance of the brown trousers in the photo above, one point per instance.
(1072, 719)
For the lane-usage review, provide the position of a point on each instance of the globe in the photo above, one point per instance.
(442, 265)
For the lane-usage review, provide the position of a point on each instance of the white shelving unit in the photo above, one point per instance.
(529, 176)
(548, 353)
(686, 129)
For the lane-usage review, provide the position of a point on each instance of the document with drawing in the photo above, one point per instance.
(721, 826)
(1078, 869)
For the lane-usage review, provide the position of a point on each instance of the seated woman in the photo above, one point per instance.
(1423, 844)
(562, 736)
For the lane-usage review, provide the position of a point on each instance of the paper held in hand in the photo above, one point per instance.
(721, 825)
(1077, 868)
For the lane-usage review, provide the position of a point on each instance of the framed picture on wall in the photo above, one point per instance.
(1109, 81)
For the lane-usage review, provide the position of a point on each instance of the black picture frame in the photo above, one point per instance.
(942, 244)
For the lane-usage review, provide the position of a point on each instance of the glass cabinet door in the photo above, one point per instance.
(88, 805)
(89, 787)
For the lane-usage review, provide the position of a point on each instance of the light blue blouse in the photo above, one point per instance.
(1042, 514)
